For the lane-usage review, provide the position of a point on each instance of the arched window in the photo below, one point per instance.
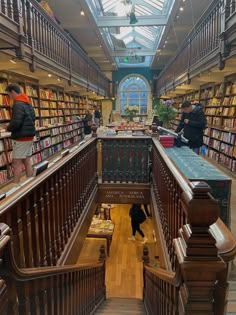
(134, 91)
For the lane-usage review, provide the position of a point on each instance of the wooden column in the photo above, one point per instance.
(197, 253)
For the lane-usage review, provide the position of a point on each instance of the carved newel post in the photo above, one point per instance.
(197, 253)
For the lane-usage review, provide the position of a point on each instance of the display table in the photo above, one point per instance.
(196, 168)
(102, 229)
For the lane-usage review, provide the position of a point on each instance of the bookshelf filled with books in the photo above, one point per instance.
(57, 123)
(219, 136)
(219, 103)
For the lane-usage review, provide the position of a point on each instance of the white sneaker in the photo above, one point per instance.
(132, 238)
(144, 241)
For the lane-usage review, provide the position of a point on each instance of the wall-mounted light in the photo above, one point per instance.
(49, 75)
(13, 60)
(82, 12)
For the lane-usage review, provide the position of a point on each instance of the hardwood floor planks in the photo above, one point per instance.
(124, 266)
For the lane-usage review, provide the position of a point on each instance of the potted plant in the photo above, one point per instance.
(165, 112)
(131, 111)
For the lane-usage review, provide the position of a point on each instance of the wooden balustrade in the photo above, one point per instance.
(35, 34)
(202, 42)
(67, 290)
(125, 160)
(57, 290)
(198, 244)
(161, 291)
(52, 206)
(168, 186)
(4, 239)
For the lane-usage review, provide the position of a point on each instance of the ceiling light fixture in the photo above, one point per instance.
(49, 75)
(181, 9)
(82, 12)
(13, 60)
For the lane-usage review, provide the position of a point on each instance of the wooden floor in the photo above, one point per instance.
(124, 266)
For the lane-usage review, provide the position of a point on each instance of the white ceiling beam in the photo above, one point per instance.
(115, 21)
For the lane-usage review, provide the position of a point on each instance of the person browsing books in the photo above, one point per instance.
(22, 128)
(193, 122)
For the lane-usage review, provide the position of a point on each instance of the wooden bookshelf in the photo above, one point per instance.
(56, 123)
(220, 135)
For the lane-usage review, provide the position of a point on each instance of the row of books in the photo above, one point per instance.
(207, 93)
(216, 121)
(5, 175)
(4, 100)
(5, 158)
(230, 88)
(46, 122)
(51, 112)
(49, 94)
(229, 122)
(5, 114)
(229, 111)
(213, 111)
(229, 100)
(211, 102)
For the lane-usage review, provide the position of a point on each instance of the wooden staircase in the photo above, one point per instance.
(121, 306)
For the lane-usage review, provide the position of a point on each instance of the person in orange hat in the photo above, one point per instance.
(22, 128)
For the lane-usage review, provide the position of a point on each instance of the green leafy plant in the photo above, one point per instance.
(165, 111)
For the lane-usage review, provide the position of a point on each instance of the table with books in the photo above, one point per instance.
(196, 168)
(102, 229)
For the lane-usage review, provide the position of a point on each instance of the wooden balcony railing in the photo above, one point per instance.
(45, 214)
(59, 290)
(40, 38)
(125, 160)
(52, 207)
(4, 239)
(198, 244)
(161, 291)
(202, 42)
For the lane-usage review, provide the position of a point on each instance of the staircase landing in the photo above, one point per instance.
(121, 306)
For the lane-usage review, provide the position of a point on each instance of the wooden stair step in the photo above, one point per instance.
(120, 306)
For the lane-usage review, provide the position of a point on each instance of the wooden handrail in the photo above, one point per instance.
(225, 240)
(181, 179)
(20, 193)
(56, 205)
(167, 276)
(197, 242)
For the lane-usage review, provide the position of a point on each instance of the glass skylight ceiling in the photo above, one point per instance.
(131, 43)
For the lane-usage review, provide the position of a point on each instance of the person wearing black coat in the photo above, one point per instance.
(193, 122)
(137, 217)
(88, 121)
(22, 130)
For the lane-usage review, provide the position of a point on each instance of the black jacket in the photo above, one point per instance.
(22, 121)
(136, 213)
(193, 131)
